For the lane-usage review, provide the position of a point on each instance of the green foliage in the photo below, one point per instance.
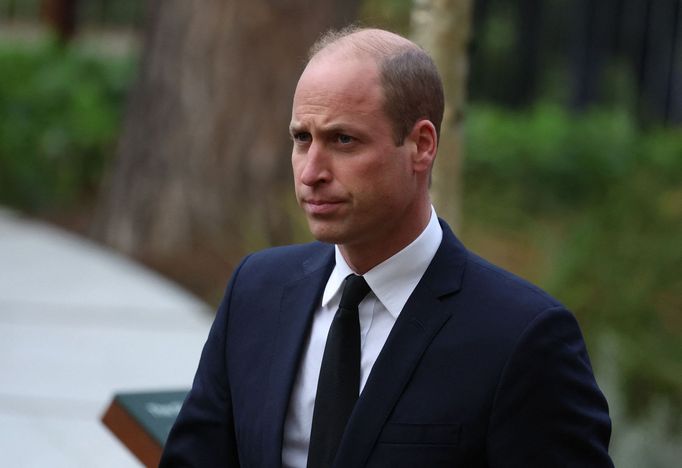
(547, 158)
(59, 116)
(614, 195)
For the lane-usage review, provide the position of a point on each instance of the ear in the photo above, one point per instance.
(425, 140)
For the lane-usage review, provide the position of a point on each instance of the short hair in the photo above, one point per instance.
(412, 86)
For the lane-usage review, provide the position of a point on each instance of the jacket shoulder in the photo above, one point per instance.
(284, 263)
(504, 286)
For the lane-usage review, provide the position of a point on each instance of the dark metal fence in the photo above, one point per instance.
(589, 39)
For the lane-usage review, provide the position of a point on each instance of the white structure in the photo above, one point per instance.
(79, 323)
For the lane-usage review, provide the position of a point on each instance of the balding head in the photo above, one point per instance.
(375, 43)
(412, 86)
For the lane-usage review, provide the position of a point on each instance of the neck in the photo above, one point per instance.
(363, 256)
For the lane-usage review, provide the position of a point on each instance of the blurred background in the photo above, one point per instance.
(159, 129)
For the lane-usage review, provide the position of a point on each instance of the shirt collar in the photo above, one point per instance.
(393, 280)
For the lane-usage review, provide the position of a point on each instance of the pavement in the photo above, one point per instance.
(79, 323)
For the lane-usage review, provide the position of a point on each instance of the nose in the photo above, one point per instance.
(315, 168)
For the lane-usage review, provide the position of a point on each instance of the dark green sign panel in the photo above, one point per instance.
(154, 411)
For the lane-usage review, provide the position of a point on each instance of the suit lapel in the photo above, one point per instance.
(423, 316)
(299, 300)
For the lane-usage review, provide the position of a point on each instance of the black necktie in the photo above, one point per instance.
(339, 382)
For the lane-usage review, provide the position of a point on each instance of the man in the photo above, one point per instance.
(444, 360)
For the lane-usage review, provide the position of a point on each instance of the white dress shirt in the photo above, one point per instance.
(392, 282)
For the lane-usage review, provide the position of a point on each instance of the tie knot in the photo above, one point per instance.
(355, 288)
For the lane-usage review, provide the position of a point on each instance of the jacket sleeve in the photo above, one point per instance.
(548, 409)
(203, 433)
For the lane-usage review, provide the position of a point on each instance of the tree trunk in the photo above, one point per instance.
(61, 16)
(204, 157)
(443, 27)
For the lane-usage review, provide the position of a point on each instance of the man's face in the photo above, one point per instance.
(356, 187)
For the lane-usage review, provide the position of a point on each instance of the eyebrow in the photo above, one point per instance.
(338, 128)
(343, 127)
(295, 127)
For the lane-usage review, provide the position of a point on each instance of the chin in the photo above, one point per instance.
(324, 232)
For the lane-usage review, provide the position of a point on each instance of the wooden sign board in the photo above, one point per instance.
(142, 421)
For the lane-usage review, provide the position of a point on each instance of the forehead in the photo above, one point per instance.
(339, 83)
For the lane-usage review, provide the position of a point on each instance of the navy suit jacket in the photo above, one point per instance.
(481, 369)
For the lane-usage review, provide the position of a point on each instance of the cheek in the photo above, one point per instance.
(296, 167)
(397, 180)
(380, 186)
(394, 171)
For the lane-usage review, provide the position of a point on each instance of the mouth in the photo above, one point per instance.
(318, 207)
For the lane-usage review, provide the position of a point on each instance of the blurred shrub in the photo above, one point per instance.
(59, 116)
(614, 195)
(546, 159)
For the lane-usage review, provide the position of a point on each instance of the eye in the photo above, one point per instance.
(344, 139)
(301, 137)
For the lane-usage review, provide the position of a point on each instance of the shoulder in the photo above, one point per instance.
(488, 298)
(511, 315)
(484, 286)
(497, 285)
(285, 263)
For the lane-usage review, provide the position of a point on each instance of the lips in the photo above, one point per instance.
(321, 206)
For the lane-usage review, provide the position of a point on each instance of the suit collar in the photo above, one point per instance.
(320, 259)
(444, 275)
